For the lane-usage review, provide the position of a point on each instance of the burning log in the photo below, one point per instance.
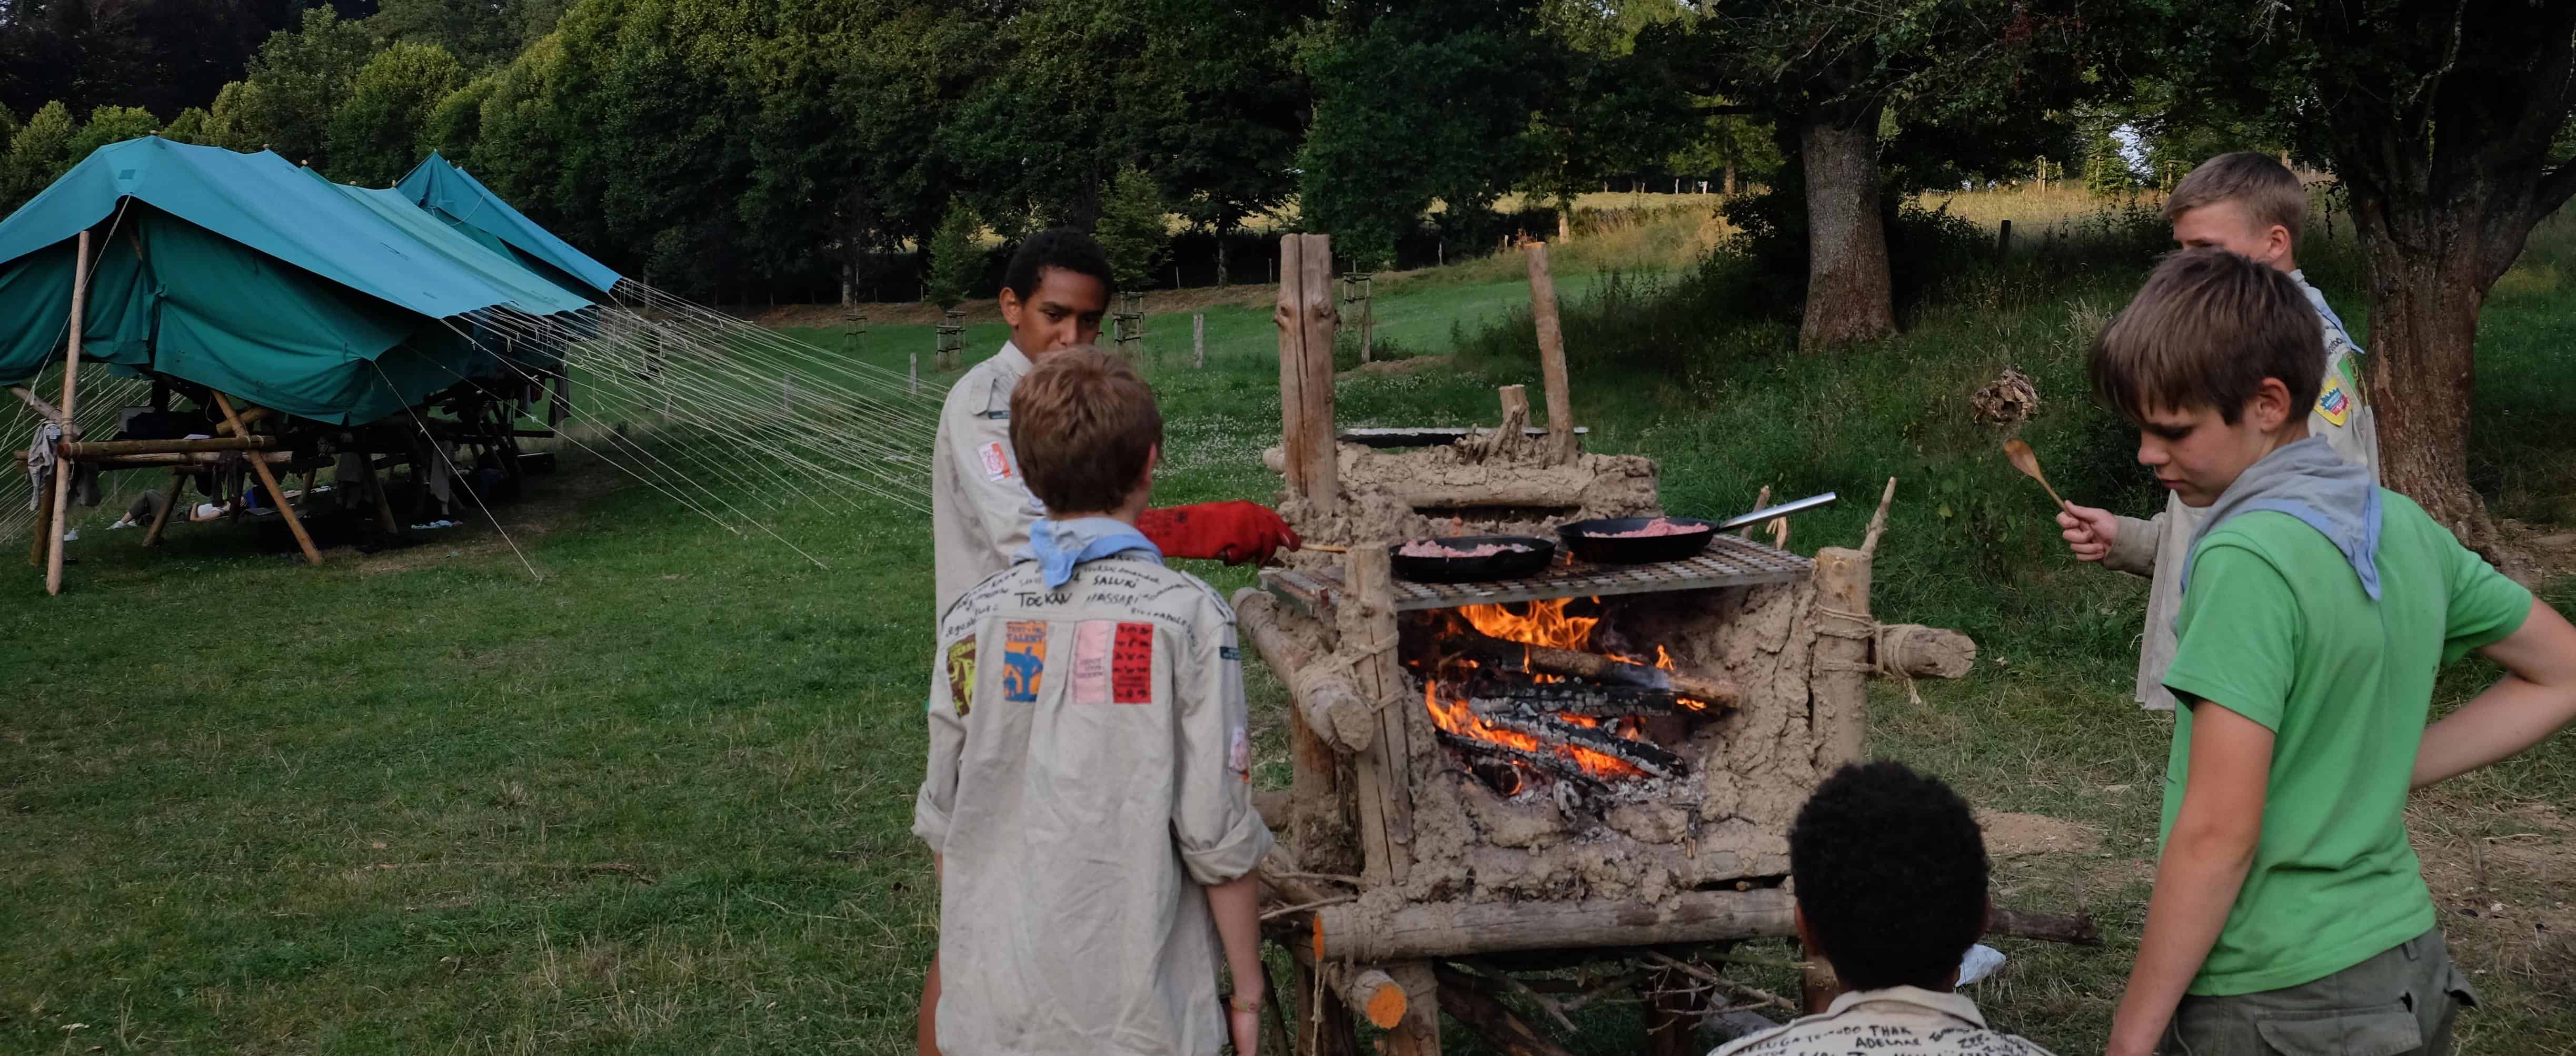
(1545, 659)
(1652, 760)
(1489, 695)
(1560, 766)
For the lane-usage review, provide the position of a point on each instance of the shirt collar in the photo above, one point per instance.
(1951, 1004)
(1012, 357)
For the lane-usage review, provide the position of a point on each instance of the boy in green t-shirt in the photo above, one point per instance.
(2290, 914)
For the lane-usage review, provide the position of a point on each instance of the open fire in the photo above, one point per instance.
(1525, 698)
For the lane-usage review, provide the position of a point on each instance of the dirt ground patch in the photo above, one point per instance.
(2010, 835)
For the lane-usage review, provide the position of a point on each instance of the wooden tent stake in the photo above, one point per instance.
(285, 507)
(71, 376)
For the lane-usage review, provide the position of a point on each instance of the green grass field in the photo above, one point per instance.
(658, 800)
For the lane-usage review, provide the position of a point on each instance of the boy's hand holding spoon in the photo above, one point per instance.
(2088, 531)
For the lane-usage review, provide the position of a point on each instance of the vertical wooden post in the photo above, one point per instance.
(1305, 318)
(71, 377)
(2003, 239)
(1551, 356)
(259, 468)
(914, 372)
(1418, 1033)
(1673, 1011)
(1198, 340)
(1366, 614)
(1841, 680)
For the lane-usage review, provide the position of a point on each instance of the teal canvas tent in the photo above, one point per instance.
(252, 276)
(450, 194)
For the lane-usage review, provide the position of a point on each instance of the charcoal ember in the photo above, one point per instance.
(1566, 771)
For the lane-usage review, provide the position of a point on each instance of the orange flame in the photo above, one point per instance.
(1456, 718)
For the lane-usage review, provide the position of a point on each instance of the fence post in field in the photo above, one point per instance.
(1198, 340)
(2003, 239)
(787, 394)
(914, 373)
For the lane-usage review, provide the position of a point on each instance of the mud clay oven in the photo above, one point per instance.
(1583, 763)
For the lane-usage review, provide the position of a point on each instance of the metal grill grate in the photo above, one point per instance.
(1729, 561)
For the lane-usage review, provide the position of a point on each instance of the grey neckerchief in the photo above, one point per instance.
(2307, 480)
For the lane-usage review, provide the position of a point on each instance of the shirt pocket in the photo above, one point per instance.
(2388, 1031)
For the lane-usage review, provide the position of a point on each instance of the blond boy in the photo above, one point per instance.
(1088, 797)
(2251, 205)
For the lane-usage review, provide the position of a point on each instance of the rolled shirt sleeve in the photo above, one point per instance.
(1220, 836)
(2486, 608)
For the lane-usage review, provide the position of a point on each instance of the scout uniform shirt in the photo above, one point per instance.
(980, 508)
(2160, 549)
(1897, 1021)
(1089, 771)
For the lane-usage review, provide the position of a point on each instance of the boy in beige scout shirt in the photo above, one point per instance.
(2251, 205)
(1088, 797)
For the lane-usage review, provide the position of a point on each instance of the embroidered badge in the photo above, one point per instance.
(1092, 640)
(1024, 649)
(1228, 652)
(1131, 665)
(961, 675)
(2334, 401)
(1240, 756)
(997, 461)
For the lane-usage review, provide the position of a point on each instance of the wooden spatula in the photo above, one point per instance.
(2027, 461)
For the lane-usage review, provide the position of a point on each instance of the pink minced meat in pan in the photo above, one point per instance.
(1436, 548)
(1658, 526)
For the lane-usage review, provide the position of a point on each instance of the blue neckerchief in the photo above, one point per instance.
(1057, 546)
(2307, 480)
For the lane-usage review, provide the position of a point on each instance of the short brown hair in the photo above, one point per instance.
(2271, 193)
(2205, 331)
(1083, 423)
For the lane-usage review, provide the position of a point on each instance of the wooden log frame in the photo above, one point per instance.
(1383, 793)
(259, 468)
(1322, 692)
(51, 529)
(1362, 932)
(1465, 997)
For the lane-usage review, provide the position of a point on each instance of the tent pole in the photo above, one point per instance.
(285, 506)
(71, 377)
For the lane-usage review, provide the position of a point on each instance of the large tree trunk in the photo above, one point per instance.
(2424, 301)
(1848, 298)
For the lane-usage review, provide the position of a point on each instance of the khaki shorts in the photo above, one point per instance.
(2399, 1003)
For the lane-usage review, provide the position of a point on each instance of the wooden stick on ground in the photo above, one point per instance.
(285, 507)
(1751, 993)
(1878, 520)
(1522, 990)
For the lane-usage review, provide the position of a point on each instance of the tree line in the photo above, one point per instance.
(719, 147)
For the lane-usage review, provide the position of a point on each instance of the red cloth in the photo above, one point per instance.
(1232, 532)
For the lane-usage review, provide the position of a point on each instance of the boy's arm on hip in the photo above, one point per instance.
(2535, 698)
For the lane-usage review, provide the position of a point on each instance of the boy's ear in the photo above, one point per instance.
(2271, 406)
(1009, 301)
(2276, 243)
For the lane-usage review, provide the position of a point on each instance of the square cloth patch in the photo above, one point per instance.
(1131, 665)
(1024, 650)
(1092, 640)
(2334, 401)
(961, 675)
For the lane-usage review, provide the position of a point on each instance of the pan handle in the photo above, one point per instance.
(1781, 510)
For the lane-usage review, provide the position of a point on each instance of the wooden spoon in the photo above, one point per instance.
(2027, 461)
